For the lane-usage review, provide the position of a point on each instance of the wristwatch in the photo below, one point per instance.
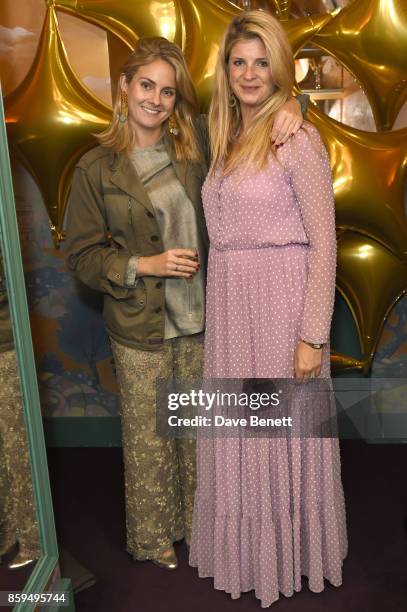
(312, 344)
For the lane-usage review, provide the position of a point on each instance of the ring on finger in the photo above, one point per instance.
(176, 268)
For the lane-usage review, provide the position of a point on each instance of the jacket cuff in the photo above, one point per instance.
(130, 279)
(116, 273)
(304, 101)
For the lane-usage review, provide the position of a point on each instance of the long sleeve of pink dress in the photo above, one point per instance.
(309, 173)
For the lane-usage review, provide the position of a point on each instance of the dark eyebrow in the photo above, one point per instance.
(154, 83)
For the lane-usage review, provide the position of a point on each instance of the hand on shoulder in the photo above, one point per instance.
(307, 140)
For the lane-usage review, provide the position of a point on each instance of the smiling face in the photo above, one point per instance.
(151, 96)
(249, 74)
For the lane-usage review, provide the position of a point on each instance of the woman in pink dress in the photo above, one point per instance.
(267, 511)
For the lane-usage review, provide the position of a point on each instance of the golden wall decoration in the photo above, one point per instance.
(370, 38)
(50, 119)
(129, 20)
(283, 8)
(371, 279)
(51, 115)
(369, 176)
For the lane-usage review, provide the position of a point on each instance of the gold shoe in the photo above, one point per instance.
(169, 562)
(20, 560)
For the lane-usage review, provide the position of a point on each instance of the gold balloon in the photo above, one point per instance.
(371, 279)
(370, 38)
(50, 118)
(195, 25)
(283, 9)
(300, 31)
(369, 173)
(130, 19)
(280, 8)
(342, 363)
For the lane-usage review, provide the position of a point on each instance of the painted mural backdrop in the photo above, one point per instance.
(53, 111)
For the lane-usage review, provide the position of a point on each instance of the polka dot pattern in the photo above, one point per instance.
(268, 511)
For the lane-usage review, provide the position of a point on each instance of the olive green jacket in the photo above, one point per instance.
(110, 218)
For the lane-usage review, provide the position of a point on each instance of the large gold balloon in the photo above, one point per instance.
(130, 19)
(196, 26)
(280, 8)
(370, 38)
(369, 173)
(300, 31)
(371, 280)
(50, 118)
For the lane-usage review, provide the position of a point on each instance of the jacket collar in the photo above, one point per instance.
(125, 177)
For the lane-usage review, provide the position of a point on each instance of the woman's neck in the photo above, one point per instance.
(247, 113)
(147, 138)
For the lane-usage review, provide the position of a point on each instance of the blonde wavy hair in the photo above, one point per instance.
(225, 119)
(121, 137)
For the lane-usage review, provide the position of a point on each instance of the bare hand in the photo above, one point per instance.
(307, 361)
(180, 263)
(287, 121)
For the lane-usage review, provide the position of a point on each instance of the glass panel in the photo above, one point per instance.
(27, 531)
(19, 537)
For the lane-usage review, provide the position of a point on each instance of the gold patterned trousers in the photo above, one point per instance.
(160, 473)
(18, 521)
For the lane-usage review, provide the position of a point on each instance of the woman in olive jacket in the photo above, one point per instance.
(136, 232)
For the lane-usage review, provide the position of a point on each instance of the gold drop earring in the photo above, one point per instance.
(173, 126)
(232, 100)
(124, 108)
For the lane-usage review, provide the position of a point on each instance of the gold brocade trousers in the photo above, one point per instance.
(18, 520)
(160, 473)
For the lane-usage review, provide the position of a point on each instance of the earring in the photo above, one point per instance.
(232, 100)
(173, 126)
(124, 109)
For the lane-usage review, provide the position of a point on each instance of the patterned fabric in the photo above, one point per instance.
(160, 475)
(18, 521)
(268, 511)
(184, 299)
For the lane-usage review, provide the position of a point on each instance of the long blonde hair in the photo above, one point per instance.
(224, 118)
(121, 137)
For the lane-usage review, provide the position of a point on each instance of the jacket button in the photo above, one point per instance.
(159, 285)
(157, 310)
(117, 275)
(149, 214)
(154, 238)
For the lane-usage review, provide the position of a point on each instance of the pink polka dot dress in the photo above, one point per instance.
(268, 511)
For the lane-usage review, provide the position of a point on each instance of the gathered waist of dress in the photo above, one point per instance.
(240, 247)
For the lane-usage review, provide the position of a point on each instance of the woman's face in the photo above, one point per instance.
(250, 74)
(151, 96)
